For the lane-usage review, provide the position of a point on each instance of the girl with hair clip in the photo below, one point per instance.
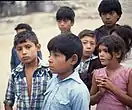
(111, 85)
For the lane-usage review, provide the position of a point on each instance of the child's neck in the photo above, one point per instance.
(85, 58)
(65, 75)
(110, 28)
(112, 68)
(32, 64)
(65, 31)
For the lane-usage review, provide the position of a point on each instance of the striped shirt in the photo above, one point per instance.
(17, 88)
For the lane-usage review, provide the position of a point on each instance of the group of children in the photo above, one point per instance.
(83, 70)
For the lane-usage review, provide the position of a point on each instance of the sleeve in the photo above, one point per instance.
(81, 99)
(12, 59)
(10, 92)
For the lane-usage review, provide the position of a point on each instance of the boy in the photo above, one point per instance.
(14, 58)
(110, 12)
(65, 18)
(66, 91)
(89, 61)
(28, 80)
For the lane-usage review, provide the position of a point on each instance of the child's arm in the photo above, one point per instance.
(126, 99)
(10, 95)
(95, 93)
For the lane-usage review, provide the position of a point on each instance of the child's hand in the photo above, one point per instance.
(99, 82)
(106, 83)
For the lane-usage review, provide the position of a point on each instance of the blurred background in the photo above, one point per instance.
(41, 16)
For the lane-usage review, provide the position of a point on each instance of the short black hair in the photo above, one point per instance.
(125, 32)
(25, 35)
(107, 6)
(114, 44)
(86, 32)
(67, 44)
(65, 12)
(23, 26)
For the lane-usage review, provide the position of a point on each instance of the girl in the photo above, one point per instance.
(111, 85)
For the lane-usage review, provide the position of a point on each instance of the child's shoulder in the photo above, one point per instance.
(100, 72)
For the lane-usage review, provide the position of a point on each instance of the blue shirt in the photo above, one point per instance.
(67, 94)
(17, 88)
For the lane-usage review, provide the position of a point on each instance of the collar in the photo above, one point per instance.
(41, 63)
(74, 76)
(92, 57)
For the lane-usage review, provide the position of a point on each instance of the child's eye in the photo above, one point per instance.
(112, 12)
(92, 43)
(18, 49)
(105, 50)
(84, 42)
(28, 47)
(65, 20)
(55, 54)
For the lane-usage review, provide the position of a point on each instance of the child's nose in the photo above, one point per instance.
(107, 16)
(50, 60)
(24, 51)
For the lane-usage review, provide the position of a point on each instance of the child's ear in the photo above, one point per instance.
(38, 46)
(72, 23)
(74, 59)
(118, 54)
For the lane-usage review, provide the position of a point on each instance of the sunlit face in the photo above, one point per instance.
(58, 63)
(104, 56)
(109, 19)
(65, 25)
(27, 51)
(89, 44)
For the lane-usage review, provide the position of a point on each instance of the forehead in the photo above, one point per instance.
(102, 47)
(88, 38)
(26, 42)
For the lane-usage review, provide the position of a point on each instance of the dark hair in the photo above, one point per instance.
(67, 44)
(86, 32)
(65, 12)
(24, 36)
(125, 32)
(107, 6)
(114, 44)
(23, 26)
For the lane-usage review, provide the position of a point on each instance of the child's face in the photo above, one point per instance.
(59, 65)
(27, 51)
(65, 25)
(109, 19)
(104, 56)
(89, 44)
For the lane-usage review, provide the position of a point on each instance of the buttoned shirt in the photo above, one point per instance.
(67, 94)
(17, 87)
(84, 65)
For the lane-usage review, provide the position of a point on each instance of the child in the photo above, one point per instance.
(125, 32)
(89, 61)
(65, 18)
(66, 91)
(29, 79)
(15, 61)
(112, 85)
(110, 12)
